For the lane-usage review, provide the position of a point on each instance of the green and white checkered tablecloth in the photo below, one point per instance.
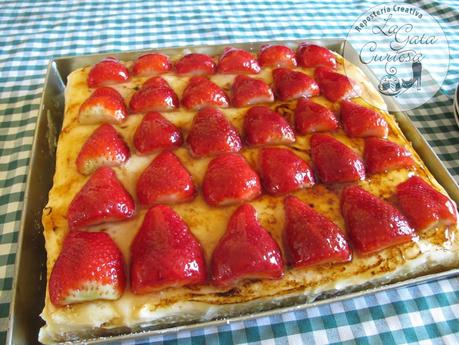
(32, 32)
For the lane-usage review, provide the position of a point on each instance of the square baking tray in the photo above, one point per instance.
(30, 275)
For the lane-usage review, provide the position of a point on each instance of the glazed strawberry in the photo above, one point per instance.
(293, 84)
(311, 55)
(229, 179)
(165, 180)
(104, 105)
(212, 133)
(165, 253)
(359, 121)
(237, 61)
(154, 95)
(282, 171)
(107, 72)
(381, 155)
(310, 237)
(249, 91)
(201, 92)
(334, 161)
(154, 133)
(104, 147)
(102, 199)
(151, 64)
(89, 267)
(195, 64)
(311, 117)
(335, 86)
(262, 125)
(245, 251)
(276, 56)
(424, 206)
(372, 223)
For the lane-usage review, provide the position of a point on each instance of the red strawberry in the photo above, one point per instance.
(382, 155)
(334, 86)
(151, 64)
(311, 238)
(212, 133)
(262, 125)
(165, 180)
(334, 161)
(423, 205)
(155, 132)
(104, 105)
(359, 121)
(201, 92)
(165, 253)
(89, 267)
(195, 64)
(237, 61)
(293, 84)
(372, 223)
(102, 199)
(282, 171)
(311, 55)
(107, 72)
(104, 147)
(276, 56)
(311, 117)
(245, 251)
(229, 179)
(154, 95)
(249, 91)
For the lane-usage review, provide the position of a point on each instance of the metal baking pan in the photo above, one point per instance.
(30, 276)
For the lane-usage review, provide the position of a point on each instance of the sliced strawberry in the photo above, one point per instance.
(212, 133)
(276, 56)
(90, 267)
(334, 161)
(382, 155)
(249, 91)
(245, 251)
(104, 147)
(166, 181)
(335, 86)
(282, 171)
(107, 72)
(155, 132)
(229, 179)
(237, 61)
(311, 238)
(262, 125)
(311, 55)
(165, 253)
(372, 223)
(293, 84)
(311, 117)
(423, 205)
(154, 95)
(359, 121)
(151, 64)
(104, 105)
(201, 92)
(195, 64)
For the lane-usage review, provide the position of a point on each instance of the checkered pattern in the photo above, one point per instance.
(32, 32)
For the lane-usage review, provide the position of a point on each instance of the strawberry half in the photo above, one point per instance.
(372, 223)
(229, 179)
(154, 133)
(334, 161)
(104, 147)
(311, 238)
(359, 121)
(276, 56)
(245, 251)
(151, 64)
(282, 171)
(212, 133)
(311, 55)
(104, 105)
(335, 86)
(293, 84)
(102, 199)
(249, 91)
(166, 181)
(154, 95)
(381, 155)
(311, 117)
(107, 72)
(165, 253)
(195, 64)
(424, 206)
(90, 267)
(237, 61)
(201, 92)
(262, 125)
